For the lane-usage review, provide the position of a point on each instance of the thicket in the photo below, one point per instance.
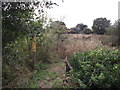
(96, 69)
(17, 39)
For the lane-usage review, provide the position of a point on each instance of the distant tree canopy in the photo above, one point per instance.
(58, 27)
(80, 29)
(87, 31)
(100, 25)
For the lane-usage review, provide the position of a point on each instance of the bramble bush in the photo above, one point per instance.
(97, 68)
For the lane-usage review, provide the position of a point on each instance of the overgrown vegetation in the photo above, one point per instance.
(54, 41)
(113, 33)
(96, 69)
(17, 38)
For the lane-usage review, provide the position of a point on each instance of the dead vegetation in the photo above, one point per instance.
(74, 43)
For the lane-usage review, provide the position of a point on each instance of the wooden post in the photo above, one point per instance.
(67, 65)
(34, 51)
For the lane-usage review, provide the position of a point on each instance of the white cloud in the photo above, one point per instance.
(84, 11)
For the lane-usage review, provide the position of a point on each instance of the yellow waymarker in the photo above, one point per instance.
(34, 51)
(34, 44)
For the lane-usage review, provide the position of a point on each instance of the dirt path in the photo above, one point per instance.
(55, 76)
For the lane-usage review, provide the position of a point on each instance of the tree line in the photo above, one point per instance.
(100, 26)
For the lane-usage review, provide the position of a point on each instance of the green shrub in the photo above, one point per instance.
(113, 40)
(96, 69)
(45, 48)
(16, 57)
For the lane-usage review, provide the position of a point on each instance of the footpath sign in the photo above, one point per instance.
(34, 51)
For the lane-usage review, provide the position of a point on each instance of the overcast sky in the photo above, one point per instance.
(73, 12)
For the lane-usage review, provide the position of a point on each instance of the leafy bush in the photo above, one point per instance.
(98, 68)
(113, 32)
(45, 48)
(16, 57)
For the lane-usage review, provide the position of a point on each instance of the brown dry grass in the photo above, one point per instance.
(79, 43)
